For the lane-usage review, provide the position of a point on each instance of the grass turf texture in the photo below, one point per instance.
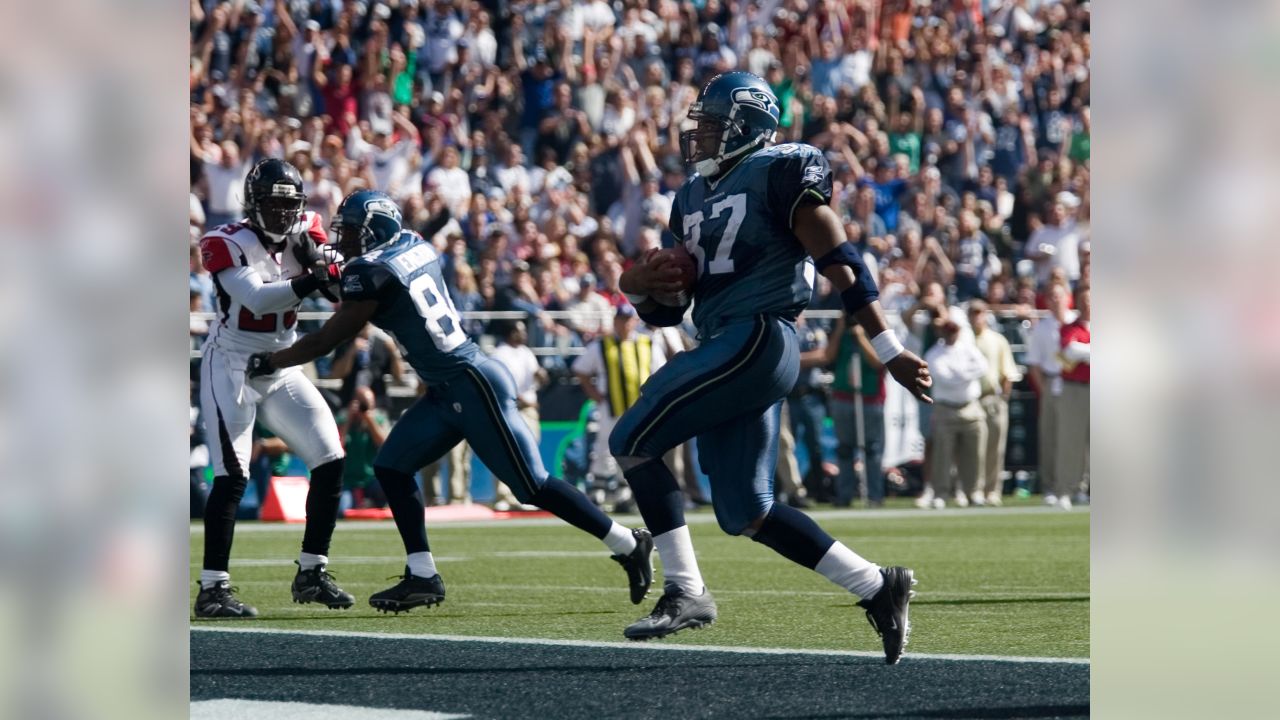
(991, 583)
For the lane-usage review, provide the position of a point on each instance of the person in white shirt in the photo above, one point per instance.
(1057, 243)
(588, 309)
(959, 423)
(225, 177)
(514, 354)
(1046, 371)
(390, 164)
(450, 182)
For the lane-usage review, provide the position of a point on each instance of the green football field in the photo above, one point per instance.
(1003, 582)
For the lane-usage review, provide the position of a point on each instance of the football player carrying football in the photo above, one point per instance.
(262, 267)
(394, 280)
(756, 219)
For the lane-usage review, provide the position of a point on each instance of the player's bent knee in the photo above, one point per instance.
(738, 522)
(525, 495)
(730, 522)
(395, 483)
(627, 462)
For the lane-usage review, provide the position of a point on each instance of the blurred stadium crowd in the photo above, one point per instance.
(958, 133)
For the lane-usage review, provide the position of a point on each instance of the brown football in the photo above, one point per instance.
(683, 260)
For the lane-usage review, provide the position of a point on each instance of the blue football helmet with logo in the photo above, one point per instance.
(736, 113)
(366, 219)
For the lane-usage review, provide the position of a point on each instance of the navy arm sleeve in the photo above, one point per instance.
(367, 281)
(800, 174)
(663, 315)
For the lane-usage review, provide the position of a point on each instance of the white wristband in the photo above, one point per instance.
(634, 299)
(887, 346)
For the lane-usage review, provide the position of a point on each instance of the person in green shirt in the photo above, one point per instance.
(906, 130)
(857, 373)
(1079, 150)
(904, 139)
(784, 89)
(363, 427)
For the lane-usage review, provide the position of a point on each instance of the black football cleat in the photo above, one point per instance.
(317, 585)
(887, 611)
(411, 592)
(638, 564)
(675, 611)
(220, 601)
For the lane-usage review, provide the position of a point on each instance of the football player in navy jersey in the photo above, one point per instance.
(394, 279)
(758, 222)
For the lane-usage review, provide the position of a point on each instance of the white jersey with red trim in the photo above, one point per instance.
(256, 305)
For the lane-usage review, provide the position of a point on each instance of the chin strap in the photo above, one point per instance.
(709, 168)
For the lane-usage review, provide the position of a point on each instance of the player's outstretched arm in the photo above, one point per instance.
(345, 324)
(821, 233)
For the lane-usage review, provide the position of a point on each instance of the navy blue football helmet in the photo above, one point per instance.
(736, 112)
(366, 219)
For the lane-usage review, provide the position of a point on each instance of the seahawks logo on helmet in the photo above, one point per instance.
(755, 98)
(382, 206)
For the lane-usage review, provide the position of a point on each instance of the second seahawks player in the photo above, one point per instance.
(758, 222)
(394, 280)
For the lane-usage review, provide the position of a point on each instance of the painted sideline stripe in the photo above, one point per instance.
(640, 645)
(197, 528)
(236, 709)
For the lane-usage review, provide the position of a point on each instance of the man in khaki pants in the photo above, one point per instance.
(959, 424)
(1046, 371)
(997, 384)
(1073, 418)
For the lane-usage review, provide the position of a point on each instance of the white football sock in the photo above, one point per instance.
(307, 561)
(422, 565)
(850, 571)
(620, 540)
(209, 578)
(679, 566)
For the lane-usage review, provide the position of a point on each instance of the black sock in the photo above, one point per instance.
(657, 495)
(220, 519)
(404, 497)
(565, 502)
(794, 536)
(322, 507)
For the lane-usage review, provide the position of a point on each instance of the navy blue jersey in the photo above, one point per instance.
(739, 230)
(404, 277)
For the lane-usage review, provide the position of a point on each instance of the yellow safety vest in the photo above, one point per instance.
(627, 365)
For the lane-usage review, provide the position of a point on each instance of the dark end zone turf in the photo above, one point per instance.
(490, 680)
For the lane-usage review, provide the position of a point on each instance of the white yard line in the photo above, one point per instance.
(234, 709)
(632, 646)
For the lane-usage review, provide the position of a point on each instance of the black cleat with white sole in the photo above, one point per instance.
(638, 564)
(317, 585)
(411, 592)
(220, 601)
(887, 611)
(675, 611)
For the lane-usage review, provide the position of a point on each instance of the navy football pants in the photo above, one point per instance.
(478, 405)
(728, 394)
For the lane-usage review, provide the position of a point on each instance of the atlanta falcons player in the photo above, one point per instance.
(263, 266)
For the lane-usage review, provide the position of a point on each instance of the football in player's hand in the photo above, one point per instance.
(683, 260)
